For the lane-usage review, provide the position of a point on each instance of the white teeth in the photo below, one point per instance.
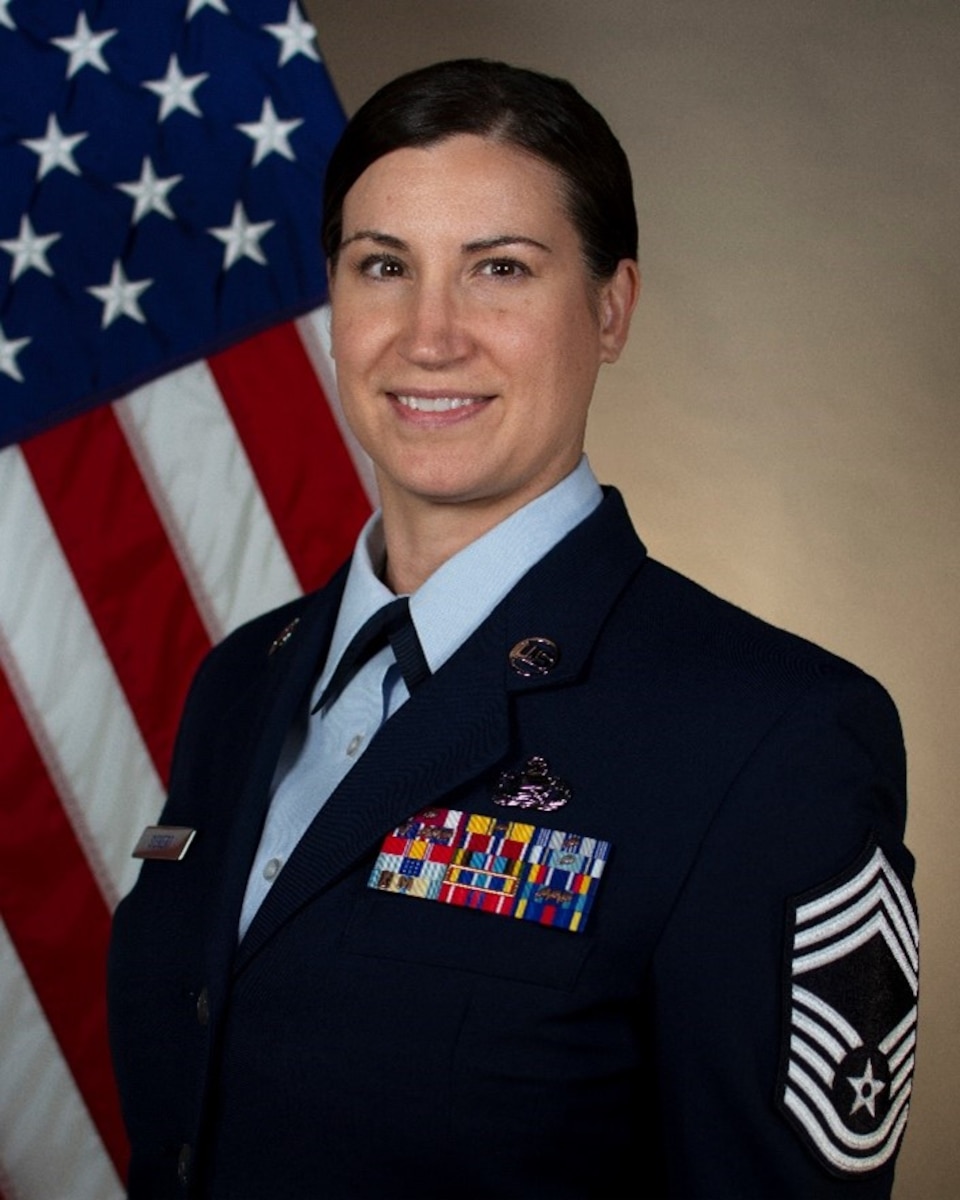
(436, 405)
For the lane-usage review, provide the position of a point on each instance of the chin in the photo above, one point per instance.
(441, 482)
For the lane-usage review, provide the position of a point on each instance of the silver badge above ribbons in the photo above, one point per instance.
(531, 787)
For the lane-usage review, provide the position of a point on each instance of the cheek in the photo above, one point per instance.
(354, 318)
(530, 339)
(352, 342)
(566, 349)
(348, 363)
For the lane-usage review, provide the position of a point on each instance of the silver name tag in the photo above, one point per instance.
(170, 842)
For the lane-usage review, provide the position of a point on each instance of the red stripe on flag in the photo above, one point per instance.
(279, 407)
(57, 919)
(125, 567)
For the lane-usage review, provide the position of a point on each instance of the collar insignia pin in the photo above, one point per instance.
(531, 787)
(283, 636)
(533, 656)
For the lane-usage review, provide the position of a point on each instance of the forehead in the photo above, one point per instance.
(463, 180)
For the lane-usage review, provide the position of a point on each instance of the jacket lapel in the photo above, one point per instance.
(568, 596)
(292, 657)
(416, 758)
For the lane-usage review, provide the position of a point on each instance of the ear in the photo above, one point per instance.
(618, 298)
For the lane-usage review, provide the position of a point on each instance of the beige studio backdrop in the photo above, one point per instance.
(785, 425)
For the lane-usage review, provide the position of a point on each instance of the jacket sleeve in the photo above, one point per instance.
(785, 981)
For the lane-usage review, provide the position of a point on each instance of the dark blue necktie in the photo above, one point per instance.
(392, 624)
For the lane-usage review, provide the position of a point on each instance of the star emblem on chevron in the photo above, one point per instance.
(851, 1035)
(124, 243)
(866, 1090)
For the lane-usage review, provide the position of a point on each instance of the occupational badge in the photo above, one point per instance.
(851, 1028)
(494, 865)
(531, 787)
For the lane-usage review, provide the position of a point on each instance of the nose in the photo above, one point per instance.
(435, 330)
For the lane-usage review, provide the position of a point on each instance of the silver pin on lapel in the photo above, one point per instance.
(533, 656)
(283, 636)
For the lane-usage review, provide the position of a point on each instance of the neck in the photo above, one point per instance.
(421, 533)
(417, 544)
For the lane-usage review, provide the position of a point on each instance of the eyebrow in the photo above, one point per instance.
(475, 247)
(373, 235)
(506, 239)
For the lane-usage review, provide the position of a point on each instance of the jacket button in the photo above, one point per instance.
(203, 1007)
(184, 1159)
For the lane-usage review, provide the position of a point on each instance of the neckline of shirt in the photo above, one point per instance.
(451, 603)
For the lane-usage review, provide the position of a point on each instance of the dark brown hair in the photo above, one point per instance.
(541, 115)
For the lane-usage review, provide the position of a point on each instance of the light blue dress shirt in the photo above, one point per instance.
(446, 609)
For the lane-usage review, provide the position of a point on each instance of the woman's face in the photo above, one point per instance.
(467, 332)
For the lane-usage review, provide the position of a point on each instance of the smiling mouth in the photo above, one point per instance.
(439, 404)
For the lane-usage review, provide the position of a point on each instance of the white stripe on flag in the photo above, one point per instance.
(206, 495)
(67, 689)
(49, 1147)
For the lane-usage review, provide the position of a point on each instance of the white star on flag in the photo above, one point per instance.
(55, 148)
(120, 295)
(5, 19)
(85, 47)
(295, 36)
(9, 349)
(242, 237)
(176, 90)
(198, 5)
(149, 192)
(272, 136)
(29, 249)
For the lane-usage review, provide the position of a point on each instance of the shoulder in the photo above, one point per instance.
(695, 627)
(649, 635)
(666, 616)
(739, 685)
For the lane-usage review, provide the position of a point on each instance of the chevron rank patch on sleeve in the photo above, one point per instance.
(850, 1029)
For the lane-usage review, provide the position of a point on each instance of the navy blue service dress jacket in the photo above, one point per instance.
(734, 1018)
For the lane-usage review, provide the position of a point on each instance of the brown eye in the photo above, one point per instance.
(381, 266)
(504, 268)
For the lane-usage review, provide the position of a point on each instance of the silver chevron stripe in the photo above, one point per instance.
(828, 929)
(836, 1156)
(875, 889)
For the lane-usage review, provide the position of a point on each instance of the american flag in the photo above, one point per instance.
(173, 462)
